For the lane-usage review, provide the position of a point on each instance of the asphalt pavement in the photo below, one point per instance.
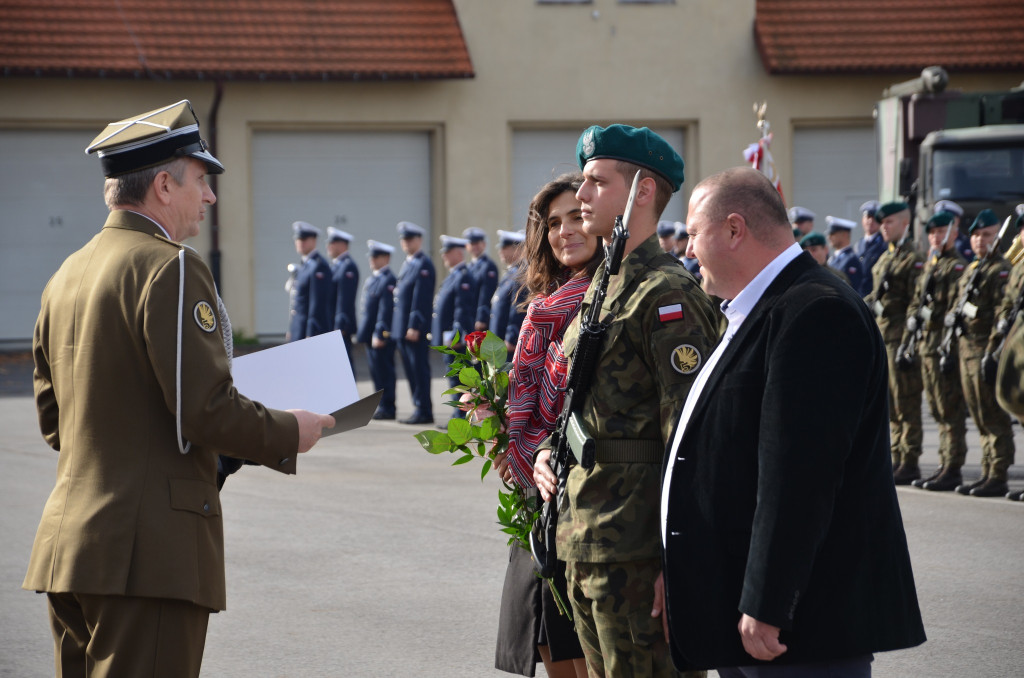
(379, 559)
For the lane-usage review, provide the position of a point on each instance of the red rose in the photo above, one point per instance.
(473, 341)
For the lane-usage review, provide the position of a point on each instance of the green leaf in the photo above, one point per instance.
(485, 469)
(492, 350)
(469, 377)
(459, 430)
(434, 442)
(501, 384)
(489, 427)
(462, 460)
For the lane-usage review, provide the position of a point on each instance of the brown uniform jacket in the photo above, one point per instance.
(131, 515)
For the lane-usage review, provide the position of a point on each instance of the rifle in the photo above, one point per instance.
(905, 353)
(569, 435)
(954, 321)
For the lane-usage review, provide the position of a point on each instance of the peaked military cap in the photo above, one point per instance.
(474, 234)
(681, 231)
(870, 207)
(450, 242)
(637, 145)
(889, 209)
(837, 224)
(302, 230)
(336, 235)
(152, 138)
(939, 220)
(812, 239)
(985, 218)
(798, 214)
(949, 206)
(666, 228)
(378, 248)
(506, 238)
(407, 229)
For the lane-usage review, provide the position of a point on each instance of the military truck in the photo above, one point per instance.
(938, 144)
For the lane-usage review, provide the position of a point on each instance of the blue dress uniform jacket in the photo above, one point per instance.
(847, 262)
(311, 313)
(130, 515)
(414, 294)
(506, 316)
(868, 252)
(455, 306)
(378, 309)
(485, 273)
(345, 288)
(790, 519)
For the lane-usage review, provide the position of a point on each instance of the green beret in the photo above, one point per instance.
(1019, 223)
(889, 209)
(812, 239)
(637, 145)
(985, 218)
(938, 220)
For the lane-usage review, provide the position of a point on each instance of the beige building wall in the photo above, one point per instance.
(690, 64)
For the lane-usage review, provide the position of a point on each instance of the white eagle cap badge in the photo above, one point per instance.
(588, 142)
(205, 316)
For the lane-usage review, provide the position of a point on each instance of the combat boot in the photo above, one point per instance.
(1018, 495)
(921, 481)
(906, 474)
(966, 488)
(947, 481)
(991, 488)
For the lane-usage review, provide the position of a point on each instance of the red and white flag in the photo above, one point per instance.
(759, 156)
(673, 312)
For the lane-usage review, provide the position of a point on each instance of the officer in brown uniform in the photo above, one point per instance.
(973, 320)
(894, 278)
(661, 328)
(130, 548)
(934, 295)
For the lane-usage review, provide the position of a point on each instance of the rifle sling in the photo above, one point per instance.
(619, 451)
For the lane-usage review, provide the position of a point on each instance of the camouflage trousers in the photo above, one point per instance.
(993, 422)
(945, 397)
(612, 603)
(905, 431)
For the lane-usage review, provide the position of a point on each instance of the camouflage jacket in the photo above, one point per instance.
(935, 295)
(894, 277)
(982, 294)
(1014, 289)
(662, 327)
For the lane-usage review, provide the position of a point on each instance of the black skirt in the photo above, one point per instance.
(529, 617)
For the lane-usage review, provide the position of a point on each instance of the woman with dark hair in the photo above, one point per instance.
(560, 261)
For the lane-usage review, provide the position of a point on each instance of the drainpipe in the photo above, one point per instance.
(214, 208)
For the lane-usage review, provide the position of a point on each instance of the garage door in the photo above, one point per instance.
(540, 155)
(52, 197)
(360, 182)
(834, 172)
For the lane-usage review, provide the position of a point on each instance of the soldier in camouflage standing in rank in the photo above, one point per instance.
(981, 293)
(1010, 375)
(934, 295)
(894, 278)
(661, 327)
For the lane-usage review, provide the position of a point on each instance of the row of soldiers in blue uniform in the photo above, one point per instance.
(403, 313)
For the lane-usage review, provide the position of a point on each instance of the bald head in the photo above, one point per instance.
(748, 192)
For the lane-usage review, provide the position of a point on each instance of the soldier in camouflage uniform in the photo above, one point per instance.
(661, 328)
(894, 277)
(973, 319)
(934, 295)
(1009, 340)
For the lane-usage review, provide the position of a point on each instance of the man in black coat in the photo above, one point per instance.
(785, 553)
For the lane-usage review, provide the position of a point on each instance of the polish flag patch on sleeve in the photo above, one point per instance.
(673, 312)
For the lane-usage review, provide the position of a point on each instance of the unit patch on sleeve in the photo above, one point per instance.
(685, 359)
(204, 316)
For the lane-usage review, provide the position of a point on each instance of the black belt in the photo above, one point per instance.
(618, 451)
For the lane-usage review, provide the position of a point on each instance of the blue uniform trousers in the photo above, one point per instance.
(415, 362)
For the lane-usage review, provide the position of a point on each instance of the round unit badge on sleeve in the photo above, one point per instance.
(205, 316)
(685, 359)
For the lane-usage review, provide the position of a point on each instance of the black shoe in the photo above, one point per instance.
(966, 488)
(417, 419)
(945, 482)
(906, 474)
(991, 488)
(1015, 496)
(921, 481)
(379, 415)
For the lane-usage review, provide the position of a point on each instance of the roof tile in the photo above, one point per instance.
(876, 36)
(234, 39)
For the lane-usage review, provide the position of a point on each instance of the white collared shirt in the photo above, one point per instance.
(736, 311)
